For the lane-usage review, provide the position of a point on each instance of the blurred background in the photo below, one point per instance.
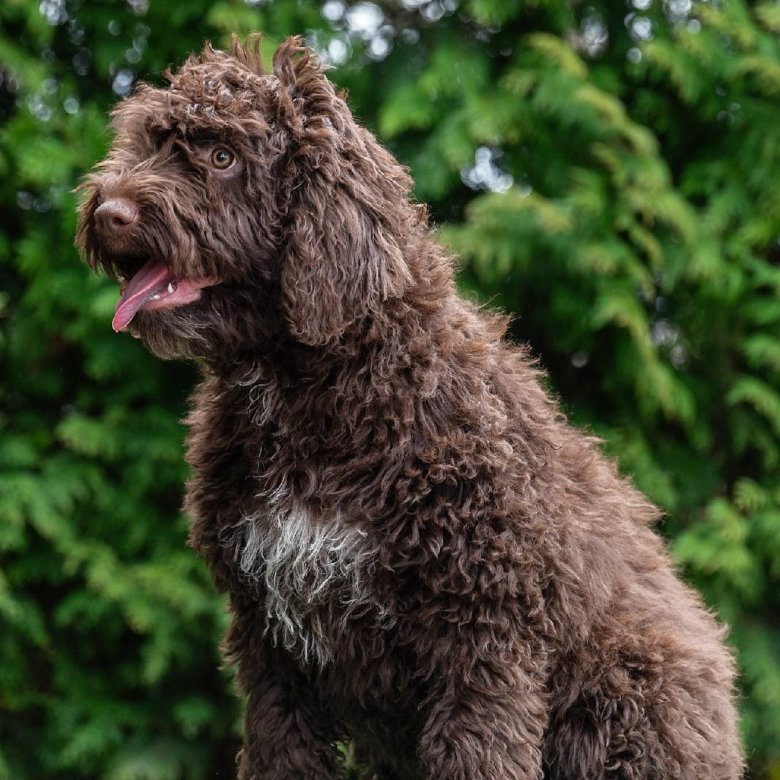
(607, 170)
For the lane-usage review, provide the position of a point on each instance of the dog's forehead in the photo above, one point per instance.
(231, 85)
(200, 99)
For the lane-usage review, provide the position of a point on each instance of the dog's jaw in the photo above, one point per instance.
(155, 287)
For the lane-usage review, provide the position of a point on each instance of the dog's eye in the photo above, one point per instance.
(222, 158)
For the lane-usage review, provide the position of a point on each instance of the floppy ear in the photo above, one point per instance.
(348, 210)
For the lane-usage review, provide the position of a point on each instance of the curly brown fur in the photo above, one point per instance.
(421, 554)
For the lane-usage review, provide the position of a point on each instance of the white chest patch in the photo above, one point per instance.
(313, 574)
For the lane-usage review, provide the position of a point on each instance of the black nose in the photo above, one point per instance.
(115, 215)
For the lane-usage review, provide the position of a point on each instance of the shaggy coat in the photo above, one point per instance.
(421, 554)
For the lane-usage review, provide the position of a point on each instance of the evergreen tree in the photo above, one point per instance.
(610, 173)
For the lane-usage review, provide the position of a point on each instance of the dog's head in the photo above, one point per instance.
(238, 206)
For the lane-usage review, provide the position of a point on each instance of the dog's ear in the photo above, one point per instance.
(348, 209)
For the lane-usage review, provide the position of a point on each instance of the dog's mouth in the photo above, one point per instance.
(153, 286)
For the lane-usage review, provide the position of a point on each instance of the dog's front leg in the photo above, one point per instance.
(287, 733)
(282, 741)
(485, 721)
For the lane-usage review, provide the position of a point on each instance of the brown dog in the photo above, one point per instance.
(421, 554)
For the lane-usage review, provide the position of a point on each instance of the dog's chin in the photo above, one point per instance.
(174, 333)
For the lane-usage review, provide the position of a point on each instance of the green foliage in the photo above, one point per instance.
(610, 174)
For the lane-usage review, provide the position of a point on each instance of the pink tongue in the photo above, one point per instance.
(151, 280)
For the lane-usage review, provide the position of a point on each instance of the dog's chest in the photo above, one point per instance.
(313, 575)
